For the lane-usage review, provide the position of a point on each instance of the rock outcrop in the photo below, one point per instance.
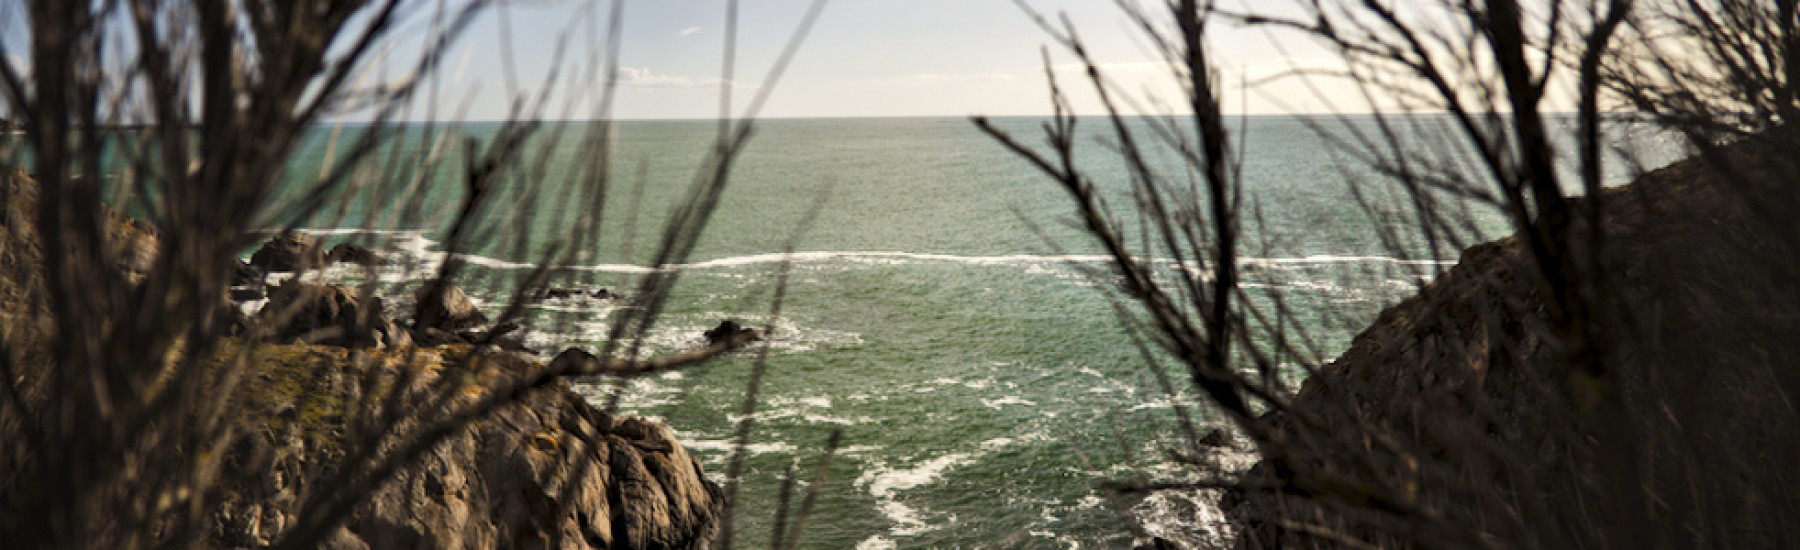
(546, 471)
(330, 315)
(1459, 419)
(730, 333)
(445, 308)
(543, 470)
(289, 251)
(353, 254)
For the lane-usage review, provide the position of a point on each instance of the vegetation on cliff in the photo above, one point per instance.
(1611, 375)
(139, 409)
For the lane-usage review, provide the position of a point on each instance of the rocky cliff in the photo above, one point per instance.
(1456, 419)
(544, 470)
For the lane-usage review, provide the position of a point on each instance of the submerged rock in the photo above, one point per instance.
(730, 333)
(563, 293)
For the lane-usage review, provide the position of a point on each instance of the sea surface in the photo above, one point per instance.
(944, 311)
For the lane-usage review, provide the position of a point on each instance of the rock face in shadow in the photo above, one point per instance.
(445, 308)
(1461, 406)
(289, 251)
(330, 315)
(353, 254)
(548, 471)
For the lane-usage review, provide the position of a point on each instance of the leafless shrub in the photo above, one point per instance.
(1544, 411)
(117, 414)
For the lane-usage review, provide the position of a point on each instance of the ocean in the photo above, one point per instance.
(944, 310)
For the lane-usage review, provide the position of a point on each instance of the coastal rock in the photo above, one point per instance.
(563, 293)
(242, 274)
(325, 314)
(546, 471)
(353, 254)
(558, 293)
(289, 251)
(21, 254)
(1462, 401)
(134, 244)
(730, 333)
(507, 336)
(430, 337)
(445, 307)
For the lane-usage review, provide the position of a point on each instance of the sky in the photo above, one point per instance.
(863, 58)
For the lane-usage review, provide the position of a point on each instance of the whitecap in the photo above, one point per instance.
(728, 446)
(996, 404)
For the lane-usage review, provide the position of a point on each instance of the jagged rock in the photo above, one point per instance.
(247, 293)
(289, 251)
(395, 336)
(507, 336)
(546, 471)
(243, 274)
(730, 333)
(21, 253)
(134, 244)
(353, 254)
(429, 337)
(558, 293)
(329, 315)
(574, 360)
(562, 293)
(1217, 439)
(447, 309)
(1486, 419)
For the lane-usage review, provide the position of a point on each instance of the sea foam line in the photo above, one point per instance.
(414, 243)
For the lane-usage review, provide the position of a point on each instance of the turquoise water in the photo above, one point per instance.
(939, 314)
(941, 311)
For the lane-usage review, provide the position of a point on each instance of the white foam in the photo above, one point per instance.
(728, 446)
(997, 404)
(884, 482)
(414, 244)
(876, 542)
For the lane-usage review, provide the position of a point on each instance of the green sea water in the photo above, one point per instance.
(944, 311)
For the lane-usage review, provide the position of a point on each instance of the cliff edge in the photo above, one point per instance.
(1454, 419)
(544, 470)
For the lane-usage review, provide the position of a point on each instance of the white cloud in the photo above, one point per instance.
(643, 77)
(690, 31)
(940, 77)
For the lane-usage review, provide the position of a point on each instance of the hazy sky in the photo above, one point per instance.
(864, 58)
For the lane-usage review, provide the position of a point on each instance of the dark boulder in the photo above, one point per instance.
(289, 251)
(558, 293)
(564, 293)
(327, 315)
(246, 293)
(445, 307)
(353, 254)
(730, 333)
(508, 336)
(429, 337)
(243, 274)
